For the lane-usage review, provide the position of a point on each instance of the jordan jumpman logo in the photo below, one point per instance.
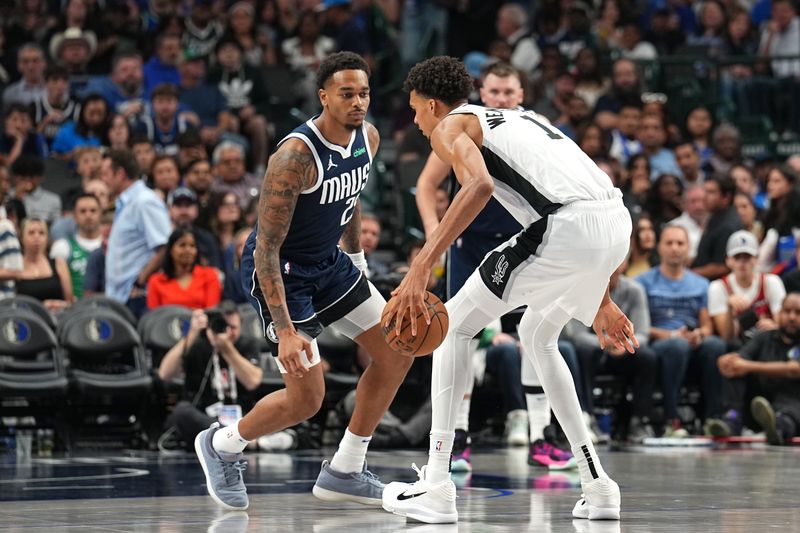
(331, 164)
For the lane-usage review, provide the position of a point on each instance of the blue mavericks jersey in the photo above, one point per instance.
(323, 211)
(495, 221)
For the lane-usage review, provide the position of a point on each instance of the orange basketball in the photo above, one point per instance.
(429, 336)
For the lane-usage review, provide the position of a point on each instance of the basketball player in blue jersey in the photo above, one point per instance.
(577, 232)
(501, 88)
(300, 281)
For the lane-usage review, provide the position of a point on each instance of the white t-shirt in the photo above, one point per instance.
(62, 249)
(773, 290)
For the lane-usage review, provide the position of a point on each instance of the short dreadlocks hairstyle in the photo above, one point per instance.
(441, 78)
(340, 61)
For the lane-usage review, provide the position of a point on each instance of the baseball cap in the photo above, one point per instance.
(742, 242)
(182, 194)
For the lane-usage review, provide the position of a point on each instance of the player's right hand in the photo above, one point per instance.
(290, 346)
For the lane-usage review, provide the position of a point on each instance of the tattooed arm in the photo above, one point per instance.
(291, 170)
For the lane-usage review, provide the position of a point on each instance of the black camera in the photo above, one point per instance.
(217, 322)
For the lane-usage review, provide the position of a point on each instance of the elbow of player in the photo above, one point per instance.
(484, 188)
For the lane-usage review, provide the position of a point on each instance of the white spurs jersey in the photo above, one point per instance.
(536, 169)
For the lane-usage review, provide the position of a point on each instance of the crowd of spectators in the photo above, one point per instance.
(152, 122)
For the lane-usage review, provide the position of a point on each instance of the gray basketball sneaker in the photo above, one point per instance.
(223, 472)
(363, 487)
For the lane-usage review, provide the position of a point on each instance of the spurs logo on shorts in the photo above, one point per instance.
(500, 270)
(272, 335)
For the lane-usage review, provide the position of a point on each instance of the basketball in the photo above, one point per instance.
(428, 337)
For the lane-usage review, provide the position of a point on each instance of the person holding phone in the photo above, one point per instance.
(217, 364)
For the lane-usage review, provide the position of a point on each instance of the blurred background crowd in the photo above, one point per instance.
(169, 109)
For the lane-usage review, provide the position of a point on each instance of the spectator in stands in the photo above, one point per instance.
(746, 183)
(236, 367)
(739, 40)
(119, 133)
(304, 53)
(781, 37)
(198, 178)
(124, 89)
(744, 303)
(639, 369)
(75, 251)
(780, 220)
(370, 238)
(748, 214)
(593, 141)
(632, 44)
(512, 27)
(182, 280)
(166, 175)
(242, 28)
(183, 213)
(246, 95)
(55, 107)
(711, 30)
(694, 217)
(665, 32)
(605, 25)
(637, 182)
(727, 149)
(10, 252)
(45, 279)
(190, 147)
(231, 175)
(590, 81)
(94, 280)
(624, 143)
(145, 153)
(73, 49)
(202, 98)
(28, 173)
(653, 136)
(625, 91)
(689, 162)
(664, 200)
(226, 220)
(140, 231)
(203, 30)
(163, 64)
(231, 262)
(681, 329)
(31, 87)
(579, 114)
(643, 247)
(699, 124)
(164, 124)
(90, 129)
(710, 261)
(19, 136)
(765, 371)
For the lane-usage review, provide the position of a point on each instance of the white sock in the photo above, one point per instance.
(228, 440)
(439, 456)
(349, 458)
(588, 463)
(538, 412)
(538, 406)
(462, 416)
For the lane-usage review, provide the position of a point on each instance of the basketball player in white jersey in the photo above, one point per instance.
(576, 233)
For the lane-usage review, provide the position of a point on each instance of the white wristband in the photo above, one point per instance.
(359, 260)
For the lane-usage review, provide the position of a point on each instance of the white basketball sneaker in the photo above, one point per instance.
(600, 500)
(422, 501)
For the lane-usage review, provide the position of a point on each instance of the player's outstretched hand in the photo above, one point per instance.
(289, 349)
(611, 322)
(408, 298)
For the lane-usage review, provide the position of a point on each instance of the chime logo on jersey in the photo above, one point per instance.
(500, 270)
(344, 185)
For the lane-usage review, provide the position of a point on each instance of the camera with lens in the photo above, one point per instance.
(216, 321)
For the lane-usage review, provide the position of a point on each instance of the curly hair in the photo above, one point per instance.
(441, 78)
(340, 61)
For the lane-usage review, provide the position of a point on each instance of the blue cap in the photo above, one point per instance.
(182, 194)
(474, 62)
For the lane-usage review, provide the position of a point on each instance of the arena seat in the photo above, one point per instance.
(161, 329)
(105, 302)
(31, 304)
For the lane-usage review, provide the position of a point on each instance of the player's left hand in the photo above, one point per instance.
(611, 322)
(409, 297)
